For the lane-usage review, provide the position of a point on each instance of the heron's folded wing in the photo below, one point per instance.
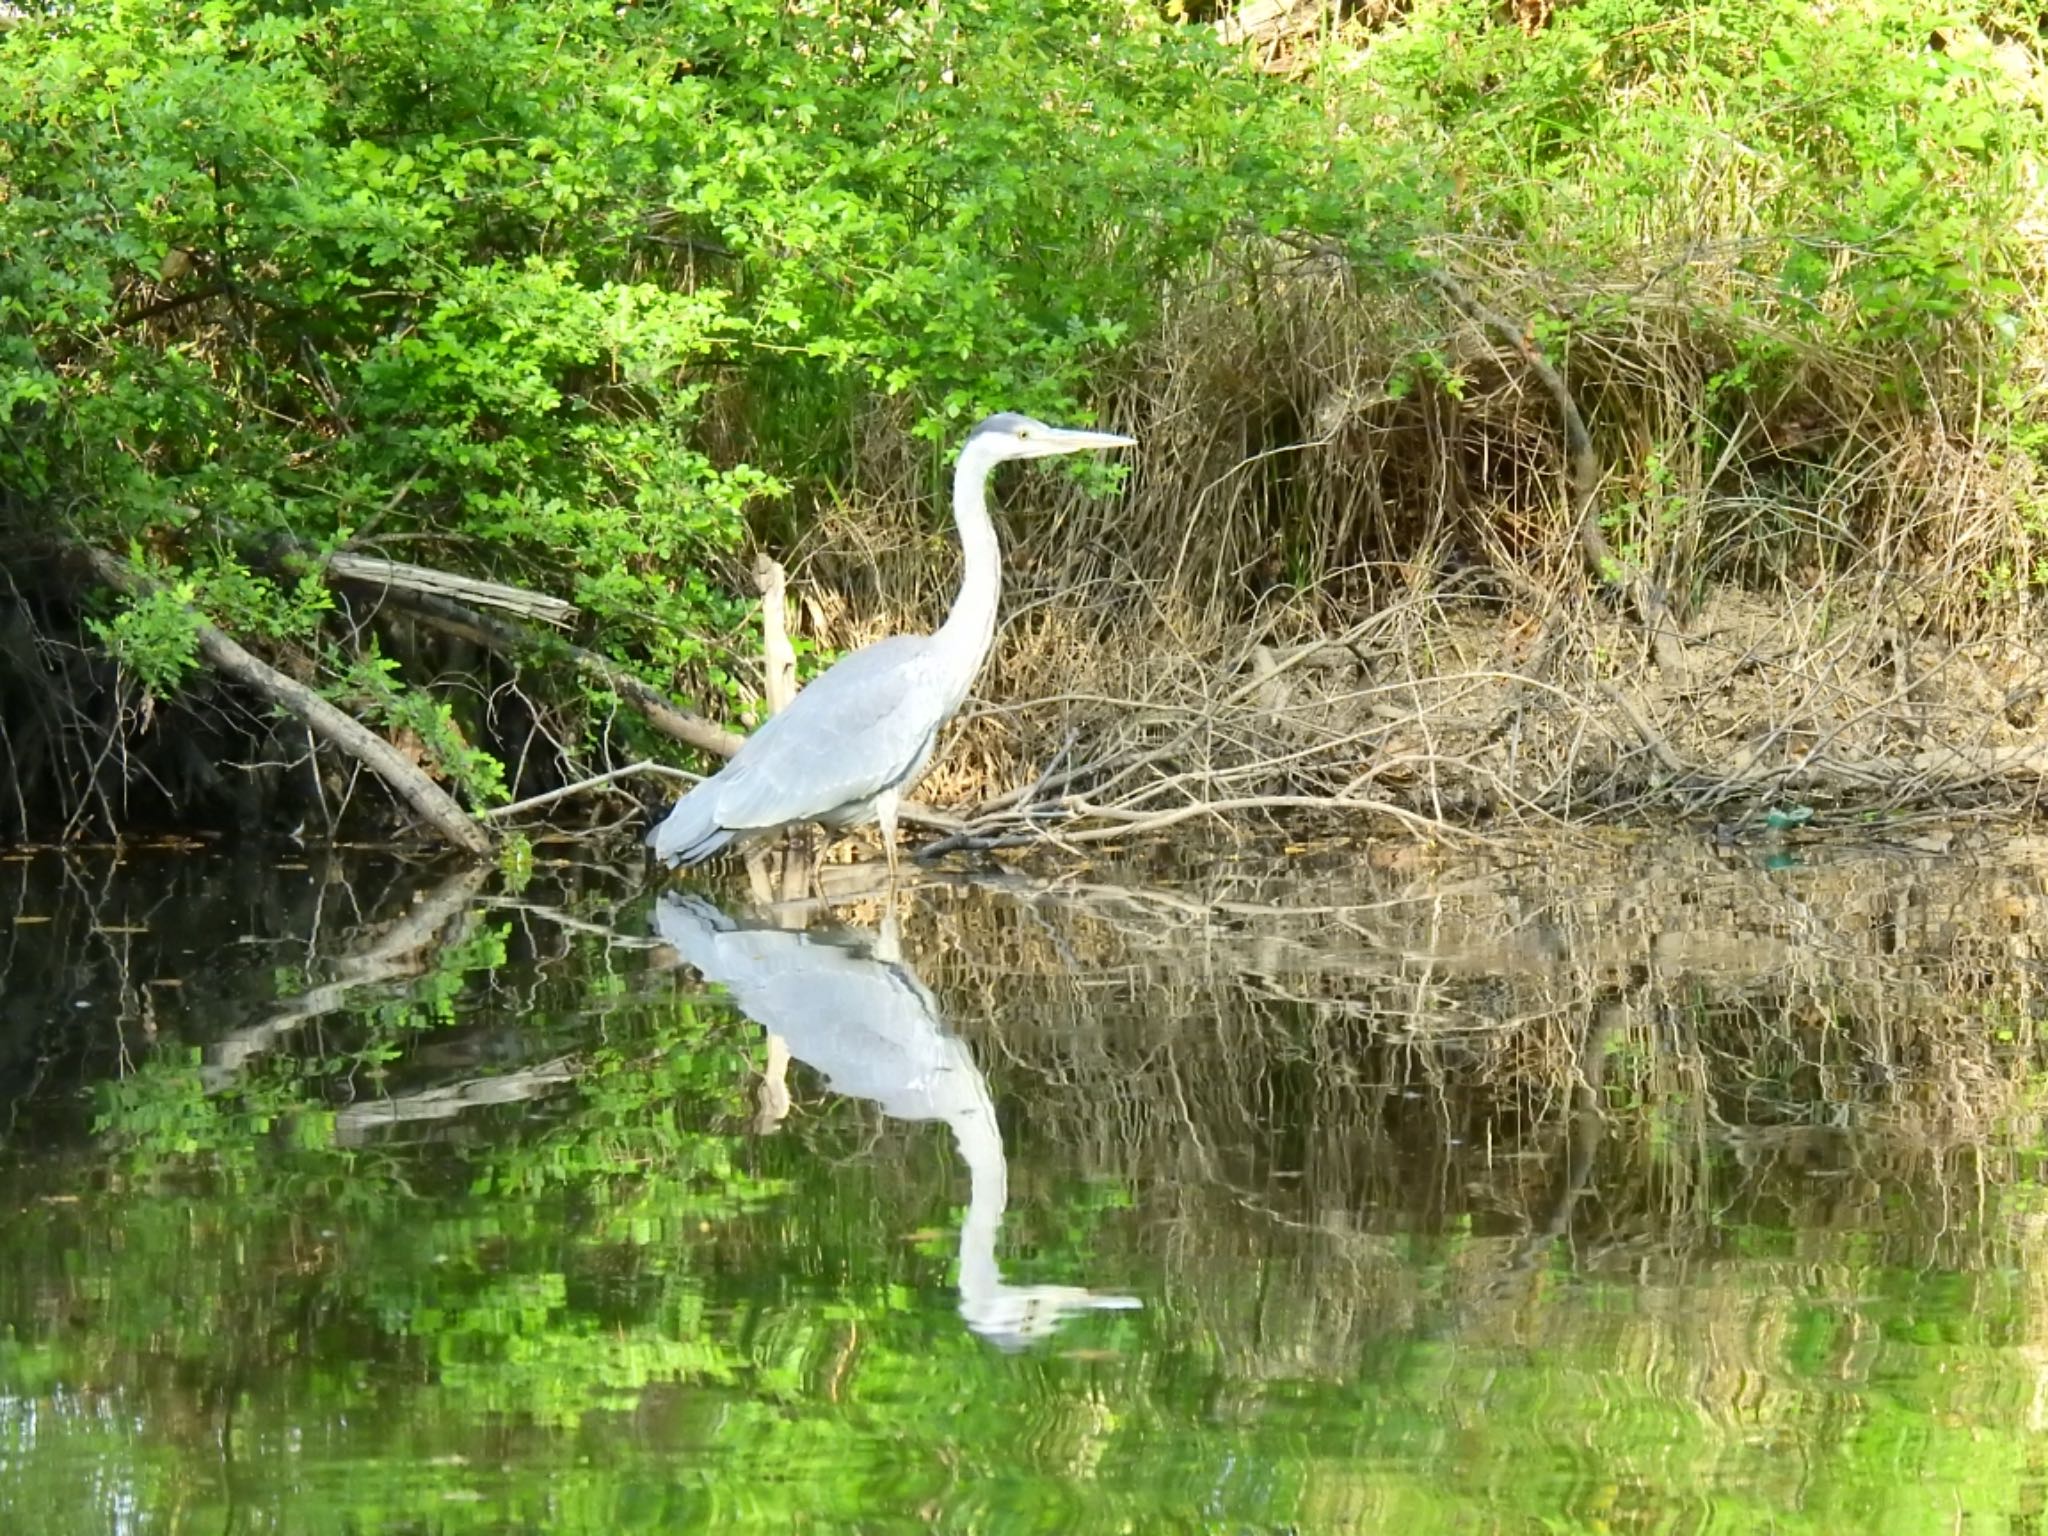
(849, 735)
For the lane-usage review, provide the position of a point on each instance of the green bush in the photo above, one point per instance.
(471, 284)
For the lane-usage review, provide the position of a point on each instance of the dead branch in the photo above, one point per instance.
(434, 804)
(595, 781)
(396, 574)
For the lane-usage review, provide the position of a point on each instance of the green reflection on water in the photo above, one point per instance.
(433, 1209)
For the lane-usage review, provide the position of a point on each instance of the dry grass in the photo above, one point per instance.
(1327, 582)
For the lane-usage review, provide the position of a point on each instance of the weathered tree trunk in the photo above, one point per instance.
(434, 805)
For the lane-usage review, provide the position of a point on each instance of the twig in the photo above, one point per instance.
(595, 781)
(1133, 822)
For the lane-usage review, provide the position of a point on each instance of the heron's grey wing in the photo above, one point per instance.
(869, 1027)
(852, 733)
(774, 974)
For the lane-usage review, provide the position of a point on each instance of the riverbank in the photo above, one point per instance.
(1448, 715)
(1540, 416)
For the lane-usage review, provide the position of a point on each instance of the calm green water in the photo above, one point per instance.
(1615, 1189)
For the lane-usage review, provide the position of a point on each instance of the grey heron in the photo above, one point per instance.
(850, 745)
(847, 1004)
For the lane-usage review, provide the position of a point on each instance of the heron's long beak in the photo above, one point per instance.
(1075, 439)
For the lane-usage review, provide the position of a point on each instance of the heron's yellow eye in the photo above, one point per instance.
(1023, 431)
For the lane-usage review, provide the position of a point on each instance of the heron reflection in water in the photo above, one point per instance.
(846, 1003)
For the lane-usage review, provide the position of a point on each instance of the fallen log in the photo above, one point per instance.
(342, 731)
(468, 589)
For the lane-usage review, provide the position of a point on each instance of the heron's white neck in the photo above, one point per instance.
(980, 1143)
(1011, 1316)
(970, 628)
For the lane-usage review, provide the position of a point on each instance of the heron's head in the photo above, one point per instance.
(1008, 435)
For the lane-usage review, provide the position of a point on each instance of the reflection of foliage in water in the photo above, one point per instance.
(1791, 1289)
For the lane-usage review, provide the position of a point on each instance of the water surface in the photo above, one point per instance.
(1623, 1186)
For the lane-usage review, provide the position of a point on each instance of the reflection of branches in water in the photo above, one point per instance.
(1346, 1097)
(357, 1123)
(1602, 1063)
(100, 954)
(397, 953)
(383, 960)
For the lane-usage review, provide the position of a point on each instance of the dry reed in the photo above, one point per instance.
(1332, 583)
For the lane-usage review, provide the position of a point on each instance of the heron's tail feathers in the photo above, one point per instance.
(688, 835)
(677, 909)
(691, 926)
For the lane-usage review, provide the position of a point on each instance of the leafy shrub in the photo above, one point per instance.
(478, 285)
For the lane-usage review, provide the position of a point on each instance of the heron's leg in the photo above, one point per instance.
(800, 860)
(771, 1100)
(760, 873)
(817, 853)
(885, 814)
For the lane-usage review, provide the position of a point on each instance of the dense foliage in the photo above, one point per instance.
(462, 284)
(562, 293)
